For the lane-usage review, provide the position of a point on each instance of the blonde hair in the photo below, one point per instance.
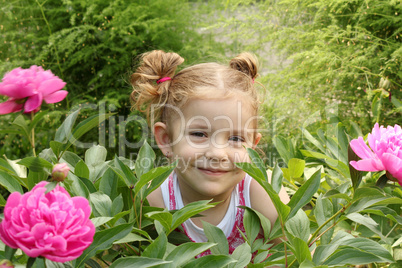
(190, 82)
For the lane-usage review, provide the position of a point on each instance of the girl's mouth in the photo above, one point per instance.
(213, 172)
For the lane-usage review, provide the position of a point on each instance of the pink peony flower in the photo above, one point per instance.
(60, 172)
(52, 225)
(27, 88)
(385, 152)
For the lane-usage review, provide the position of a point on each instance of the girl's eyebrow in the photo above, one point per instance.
(199, 125)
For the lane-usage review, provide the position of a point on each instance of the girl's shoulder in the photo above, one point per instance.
(261, 201)
(155, 199)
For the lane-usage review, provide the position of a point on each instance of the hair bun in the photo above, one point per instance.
(154, 66)
(246, 63)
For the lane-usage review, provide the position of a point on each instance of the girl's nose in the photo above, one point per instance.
(217, 153)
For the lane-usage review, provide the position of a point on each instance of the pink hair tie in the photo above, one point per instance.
(163, 79)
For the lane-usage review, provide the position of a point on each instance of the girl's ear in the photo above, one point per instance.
(256, 140)
(162, 137)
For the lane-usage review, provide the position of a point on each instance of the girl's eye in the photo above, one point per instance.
(198, 134)
(236, 139)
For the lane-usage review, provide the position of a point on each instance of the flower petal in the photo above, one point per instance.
(16, 91)
(361, 149)
(33, 103)
(371, 164)
(52, 85)
(393, 165)
(56, 96)
(10, 106)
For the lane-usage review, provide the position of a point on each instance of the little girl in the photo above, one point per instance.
(205, 117)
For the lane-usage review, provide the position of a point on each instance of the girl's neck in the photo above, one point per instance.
(213, 215)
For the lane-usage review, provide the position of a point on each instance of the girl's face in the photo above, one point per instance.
(207, 138)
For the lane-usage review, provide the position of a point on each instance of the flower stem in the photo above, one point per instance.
(33, 136)
(313, 239)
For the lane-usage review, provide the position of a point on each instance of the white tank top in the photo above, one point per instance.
(226, 225)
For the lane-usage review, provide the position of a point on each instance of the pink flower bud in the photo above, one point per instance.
(60, 172)
(6, 264)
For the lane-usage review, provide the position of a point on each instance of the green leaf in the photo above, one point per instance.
(22, 124)
(216, 235)
(156, 175)
(258, 162)
(210, 261)
(367, 191)
(81, 170)
(137, 262)
(157, 248)
(2, 201)
(88, 124)
(253, 171)
(117, 204)
(343, 140)
(243, 256)
(76, 186)
(337, 165)
(283, 148)
(124, 172)
(334, 193)
(313, 140)
(355, 175)
(57, 148)
(89, 184)
(350, 256)
(39, 117)
(159, 177)
(165, 218)
(64, 131)
(9, 252)
(50, 186)
(251, 225)
(304, 194)
(98, 221)
(109, 183)
(323, 211)
(396, 102)
(51, 264)
(299, 225)
(35, 177)
(376, 106)
(263, 221)
(145, 160)
(296, 167)
(118, 216)
(102, 204)
(186, 252)
(130, 237)
(189, 211)
(299, 248)
(366, 221)
(35, 164)
(277, 179)
(10, 183)
(103, 240)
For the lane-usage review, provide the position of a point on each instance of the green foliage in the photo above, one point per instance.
(320, 56)
(93, 46)
(131, 233)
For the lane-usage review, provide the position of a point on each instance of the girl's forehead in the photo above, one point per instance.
(229, 112)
